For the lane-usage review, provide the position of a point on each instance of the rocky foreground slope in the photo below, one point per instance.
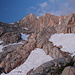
(40, 30)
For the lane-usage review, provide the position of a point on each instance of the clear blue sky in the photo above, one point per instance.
(14, 10)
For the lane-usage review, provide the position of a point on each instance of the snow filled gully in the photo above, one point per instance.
(35, 59)
(67, 41)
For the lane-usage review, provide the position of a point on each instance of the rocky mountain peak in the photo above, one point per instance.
(29, 17)
(34, 24)
(31, 14)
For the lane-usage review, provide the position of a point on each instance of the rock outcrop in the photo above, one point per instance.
(14, 58)
(54, 51)
(67, 25)
(44, 35)
(11, 37)
(11, 48)
(48, 20)
(30, 22)
(69, 71)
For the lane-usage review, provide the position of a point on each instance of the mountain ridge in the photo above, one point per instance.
(34, 24)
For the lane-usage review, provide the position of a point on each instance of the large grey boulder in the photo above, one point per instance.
(68, 71)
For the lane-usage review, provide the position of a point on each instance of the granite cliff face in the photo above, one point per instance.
(40, 30)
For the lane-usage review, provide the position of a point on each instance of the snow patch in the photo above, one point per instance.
(35, 59)
(24, 36)
(65, 40)
(1, 46)
(25, 28)
(59, 21)
(1, 41)
(15, 25)
(37, 17)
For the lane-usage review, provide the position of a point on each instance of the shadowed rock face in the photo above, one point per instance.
(69, 71)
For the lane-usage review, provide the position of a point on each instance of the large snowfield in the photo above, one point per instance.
(35, 59)
(38, 56)
(67, 41)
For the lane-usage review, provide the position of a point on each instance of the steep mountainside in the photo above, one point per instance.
(16, 49)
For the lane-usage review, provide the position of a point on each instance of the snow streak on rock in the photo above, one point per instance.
(25, 28)
(1, 46)
(59, 21)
